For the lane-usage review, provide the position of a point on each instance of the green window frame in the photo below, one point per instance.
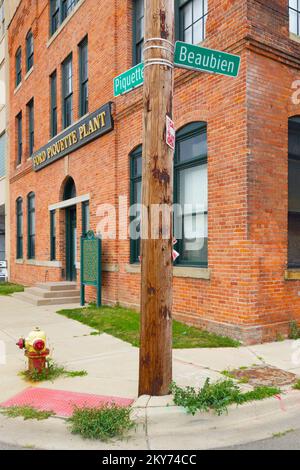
(52, 235)
(138, 31)
(83, 78)
(85, 210)
(30, 112)
(67, 92)
(53, 104)
(59, 11)
(19, 231)
(135, 198)
(19, 125)
(18, 61)
(29, 51)
(31, 226)
(294, 16)
(190, 163)
(294, 193)
(191, 16)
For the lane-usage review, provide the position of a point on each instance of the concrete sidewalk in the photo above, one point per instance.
(112, 367)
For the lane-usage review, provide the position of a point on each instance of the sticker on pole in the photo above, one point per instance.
(170, 133)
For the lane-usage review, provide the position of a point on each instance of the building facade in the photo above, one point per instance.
(7, 9)
(75, 148)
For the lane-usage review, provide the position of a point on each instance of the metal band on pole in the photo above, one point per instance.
(164, 62)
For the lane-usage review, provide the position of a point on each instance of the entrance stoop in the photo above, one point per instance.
(50, 293)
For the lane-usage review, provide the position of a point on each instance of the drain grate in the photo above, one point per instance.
(265, 375)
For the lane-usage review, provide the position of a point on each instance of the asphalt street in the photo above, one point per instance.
(286, 441)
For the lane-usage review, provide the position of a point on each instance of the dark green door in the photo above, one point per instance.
(71, 243)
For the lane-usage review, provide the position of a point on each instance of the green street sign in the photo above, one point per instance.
(129, 80)
(193, 57)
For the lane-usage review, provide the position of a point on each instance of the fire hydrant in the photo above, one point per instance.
(35, 350)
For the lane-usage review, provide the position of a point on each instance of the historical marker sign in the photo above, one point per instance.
(203, 59)
(90, 272)
(129, 80)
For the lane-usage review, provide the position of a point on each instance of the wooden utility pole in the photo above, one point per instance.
(157, 266)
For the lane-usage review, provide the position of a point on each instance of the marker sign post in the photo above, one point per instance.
(129, 80)
(90, 265)
(198, 58)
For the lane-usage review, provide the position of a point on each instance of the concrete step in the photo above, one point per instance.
(51, 294)
(57, 286)
(39, 301)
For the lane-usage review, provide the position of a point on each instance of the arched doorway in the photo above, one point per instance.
(69, 193)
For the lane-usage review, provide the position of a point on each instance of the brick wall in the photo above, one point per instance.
(246, 296)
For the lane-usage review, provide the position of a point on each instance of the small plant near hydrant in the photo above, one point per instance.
(51, 372)
(40, 366)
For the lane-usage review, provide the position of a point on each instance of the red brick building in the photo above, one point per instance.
(237, 155)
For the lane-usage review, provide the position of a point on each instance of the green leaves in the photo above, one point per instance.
(217, 396)
(101, 423)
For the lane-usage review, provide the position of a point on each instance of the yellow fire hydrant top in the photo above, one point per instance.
(36, 341)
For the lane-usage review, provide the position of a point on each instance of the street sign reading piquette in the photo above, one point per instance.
(207, 60)
(129, 80)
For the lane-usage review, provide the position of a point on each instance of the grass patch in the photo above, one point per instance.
(282, 434)
(7, 288)
(27, 412)
(52, 372)
(294, 331)
(105, 423)
(125, 324)
(218, 396)
(296, 385)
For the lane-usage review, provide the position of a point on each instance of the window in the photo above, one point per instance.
(138, 31)
(19, 139)
(53, 110)
(83, 78)
(30, 110)
(67, 89)
(190, 197)
(2, 155)
(52, 235)
(18, 66)
(135, 198)
(29, 51)
(2, 17)
(191, 194)
(55, 15)
(31, 225)
(294, 193)
(67, 7)
(192, 18)
(59, 10)
(85, 217)
(19, 215)
(294, 11)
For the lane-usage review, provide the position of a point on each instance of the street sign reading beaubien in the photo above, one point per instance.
(189, 56)
(129, 80)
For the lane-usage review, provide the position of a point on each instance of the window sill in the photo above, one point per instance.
(294, 37)
(178, 271)
(292, 274)
(44, 264)
(64, 23)
(191, 272)
(17, 88)
(28, 73)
